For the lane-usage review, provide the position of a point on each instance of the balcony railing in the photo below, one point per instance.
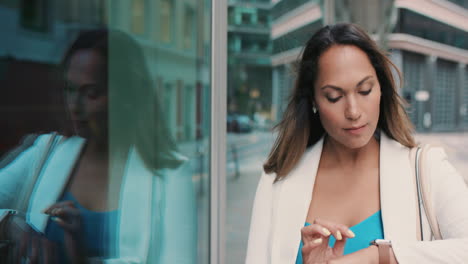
(263, 4)
(462, 3)
(284, 6)
(249, 28)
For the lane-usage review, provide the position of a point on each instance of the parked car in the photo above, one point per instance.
(261, 123)
(239, 123)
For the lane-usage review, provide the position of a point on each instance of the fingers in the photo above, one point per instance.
(339, 231)
(339, 246)
(65, 214)
(65, 225)
(308, 247)
(314, 231)
(53, 208)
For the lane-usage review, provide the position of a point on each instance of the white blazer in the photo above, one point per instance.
(157, 210)
(280, 209)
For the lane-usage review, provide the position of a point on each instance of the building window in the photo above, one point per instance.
(189, 27)
(138, 16)
(166, 21)
(263, 46)
(246, 18)
(34, 15)
(263, 20)
(180, 110)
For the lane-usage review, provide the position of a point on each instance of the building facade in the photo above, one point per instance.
(427, 40)
(249, 51)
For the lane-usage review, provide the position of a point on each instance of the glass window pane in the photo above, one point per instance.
(166, 21)
(138, 16)
(105, 113)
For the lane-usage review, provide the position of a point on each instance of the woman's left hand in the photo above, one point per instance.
(67, 216)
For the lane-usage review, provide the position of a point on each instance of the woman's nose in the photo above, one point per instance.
(352, 111)
(75, 105)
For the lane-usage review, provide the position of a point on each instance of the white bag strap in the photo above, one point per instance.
(424, 196)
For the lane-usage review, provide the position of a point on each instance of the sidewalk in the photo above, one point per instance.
(455, 145)
(240, 196)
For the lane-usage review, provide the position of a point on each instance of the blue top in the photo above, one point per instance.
(98, 227)
(369, 229)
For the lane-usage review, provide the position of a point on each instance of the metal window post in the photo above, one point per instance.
(218, 130)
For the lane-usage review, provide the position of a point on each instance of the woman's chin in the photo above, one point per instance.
(82, 132)
(354, 142)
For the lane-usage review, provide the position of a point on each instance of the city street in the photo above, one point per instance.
(241, 190)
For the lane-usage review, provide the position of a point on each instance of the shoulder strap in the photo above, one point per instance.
(423, 192)
(419, 222)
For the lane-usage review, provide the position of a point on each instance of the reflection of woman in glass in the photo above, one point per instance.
(340, 174)
(114, 187)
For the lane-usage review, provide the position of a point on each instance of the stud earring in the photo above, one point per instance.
(314, 109)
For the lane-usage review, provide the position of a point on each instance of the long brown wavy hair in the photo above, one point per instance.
(300, 128)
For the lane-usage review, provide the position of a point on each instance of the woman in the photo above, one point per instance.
(114, 189)
(340, 176)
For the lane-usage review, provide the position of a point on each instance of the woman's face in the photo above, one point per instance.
(87, 94)
(347, 95)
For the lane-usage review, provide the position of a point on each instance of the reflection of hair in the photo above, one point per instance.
(95, 40)
(135, 117)
(300, 128)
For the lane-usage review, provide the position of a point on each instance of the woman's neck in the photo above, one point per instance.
(96, 150)
(336, 154)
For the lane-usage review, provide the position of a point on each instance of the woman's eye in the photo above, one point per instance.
(365, 92)
(70, 88)
(93, 91)
(333, 99)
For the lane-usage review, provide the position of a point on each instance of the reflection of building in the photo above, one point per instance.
(249, 49)
(176, 54)
(176, 39)
(428, 40)
(37, 33)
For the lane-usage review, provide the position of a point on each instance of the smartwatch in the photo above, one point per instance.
(384, 250)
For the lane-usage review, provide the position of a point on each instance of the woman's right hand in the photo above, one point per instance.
(315, 238)
(68, 217)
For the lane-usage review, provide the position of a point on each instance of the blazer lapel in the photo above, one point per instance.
(397, 191)
(294, 199)
(135, 208)
(53, 179)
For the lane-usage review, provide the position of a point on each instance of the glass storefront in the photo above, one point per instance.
(414, 69)
(106, 130)
(445, 96)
